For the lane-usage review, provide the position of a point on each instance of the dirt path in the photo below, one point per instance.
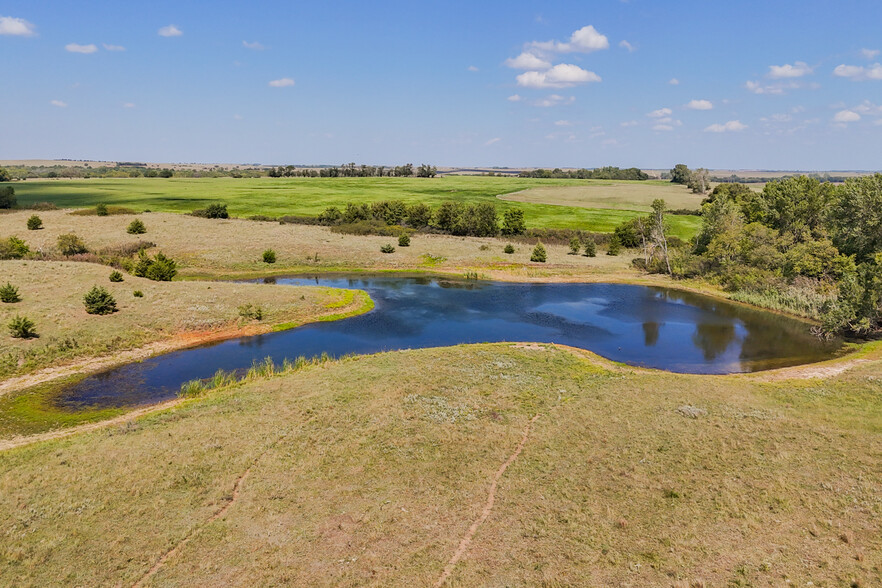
(488, 507)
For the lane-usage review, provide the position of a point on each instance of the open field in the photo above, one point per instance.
(371, 471)
(309, 196)
(611, 195)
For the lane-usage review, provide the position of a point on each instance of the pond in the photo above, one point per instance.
(638, 325)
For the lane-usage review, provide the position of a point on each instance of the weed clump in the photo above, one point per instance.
(539, 255)
(387, 248)
(9, 294)
(590, 248)
(215, 210)
(404, 240)
(99, 301)
(509, 249)
(70, 244)
(138, 294)
(115, 276)
(251, 312)
(21, 327)
(136, 227)
(158, 269)
(269, 256)
(13, 248)
(35, 223)
(101, 209)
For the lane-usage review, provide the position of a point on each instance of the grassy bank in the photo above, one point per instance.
(371, 471)
(600, 210)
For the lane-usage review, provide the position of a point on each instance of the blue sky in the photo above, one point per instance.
(648, 83)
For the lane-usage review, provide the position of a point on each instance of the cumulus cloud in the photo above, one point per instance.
(527, 60)
(585, 40)
(797, 70)
(77, 48)
(728, 127)
(869, 53)
(661, 112)
(282, 83)
(554, 100)
(563, 75)
(563, 123)
(700, 105)
(674, 82)
(662, 127)
(514, 98)
(170, 31)
(630, 123)
(626, 45)
(108, 47)
(846, 116)
(58, 103)
(775, 88)
(859, 73)
(16, 27)
(255, 45)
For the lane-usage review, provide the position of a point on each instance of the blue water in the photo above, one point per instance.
(638, 325)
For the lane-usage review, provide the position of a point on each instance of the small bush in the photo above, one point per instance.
(35, 223)
(21, 327)
(115, 276)
(216, 210)
(590, 248)
(7, 197)
(70, 244)
(43, 206)
(99, 301)
(138, 294)
(539, 254)
(387, 248)
(9, 294)
(101, 209)
(136, 227)
(404, 240)
(251, 312)
(269, 256)
(509, 249)
(575, 246)
(158, 269)
(615, 246)
(13, 248)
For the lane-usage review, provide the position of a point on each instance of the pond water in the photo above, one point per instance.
(639, 325)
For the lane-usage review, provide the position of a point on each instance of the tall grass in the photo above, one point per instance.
(259, 370)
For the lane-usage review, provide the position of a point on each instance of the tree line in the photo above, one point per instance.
(351, 170)
(600, 173)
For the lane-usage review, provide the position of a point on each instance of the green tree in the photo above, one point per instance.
(4, 175)
(7, 197)
(70, 244)
(418, 215)
(575, 246)
(699, 181)
(136, 227)
(856, 217)
(539, 254)
(9, 294)
(21, 327)
(513, 222)
(34, 223)
(99, 301)
(427, 171)
(798, 205)
(590, 248)
(160, 268)
(680, 174)
(615, 246)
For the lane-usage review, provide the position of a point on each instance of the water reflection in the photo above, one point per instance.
(652, 327)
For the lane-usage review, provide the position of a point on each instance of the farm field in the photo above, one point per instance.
(244, 197)
(372, 470)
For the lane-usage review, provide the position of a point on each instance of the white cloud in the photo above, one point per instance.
(776, 88)
(585, 40)
(859, 73)
(128, 104)
(700, 105)
(170, 31)
(492, 141)
(472, 68)
(58, 103)
(669, 121)
(108, 47)
(527, 61)
(282, 83)
(797, 70)
(563, 123)
(674, 82)
(867, 107)
(255, 45)
(661, 112)
(731, 126)
(554, 100)
(869, 53)
(777, 118)
(514, 98)
(626, 45)
(846, 116)
(76, 48)
(662, 128)
(562, 75)
(629, 123)
(16, 27)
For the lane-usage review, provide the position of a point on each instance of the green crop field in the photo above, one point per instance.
(615, 203)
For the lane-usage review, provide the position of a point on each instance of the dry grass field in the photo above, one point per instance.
(612, 195)
(371, 471)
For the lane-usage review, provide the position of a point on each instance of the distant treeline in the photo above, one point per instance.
(351, 170)
(600, 173)
(126, 170)
(735, 179)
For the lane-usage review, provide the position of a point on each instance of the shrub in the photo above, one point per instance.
(35, 223)
(9, 294)
(590, 248)
(419, 215)
(70, 244)
(251, 312)
(159, 269)
(513, 222)
(356, 212)
(7, 197)
(615, 246)
(215, 210)
(138, 294)
(387, 248)
(99, 301)
(509, 249)
(13, 248)
(330, 216)
(404, 240)
(539, 253)
(115, 276)
(575, 246)
(101, 209)
(269, 256)
(21, 327)
(136, 227)
(44, 206)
